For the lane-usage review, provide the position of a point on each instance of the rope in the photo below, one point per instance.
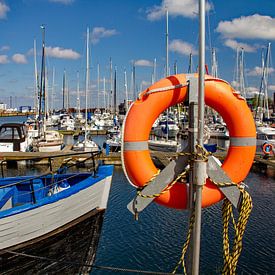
(164, 89)
(167, 188)
(72, 263)
(201, 154)
(231, 258)
(186, 244)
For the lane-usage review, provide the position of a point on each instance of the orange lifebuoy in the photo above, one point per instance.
(219, 95)
(267, 148)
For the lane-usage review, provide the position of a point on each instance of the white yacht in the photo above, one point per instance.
(265, 135)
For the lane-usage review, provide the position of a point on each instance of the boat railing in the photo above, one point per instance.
(43, 183)
(64, 166)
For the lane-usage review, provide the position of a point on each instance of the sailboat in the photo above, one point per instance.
(166, 127)
(265, 133)
(87, 144)
(44, 140)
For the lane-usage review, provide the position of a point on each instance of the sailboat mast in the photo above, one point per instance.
(241, 69)
(42, 82)
(115, 95)
(104, 93)
(126, 90)
(46, 97)
(111, 85)
(263, 84)
(175, 67)
(87, 84)
(134, 81)
(154, 71)
(167, 42)
(190, 69)
(53, 90)
(266, 80)
(78, 95)
(237, 69)
(98, 84)
(63, 90)
(67, 96)
(214, 69)
(36, 88)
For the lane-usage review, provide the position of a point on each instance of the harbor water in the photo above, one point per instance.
(155, 241)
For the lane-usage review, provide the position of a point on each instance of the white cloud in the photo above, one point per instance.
(65, 2)
(19, 58)
(250, 27)
(233, 44)
(4, 59)
(257, 71)
(182, 47)
(4, 48)
(3, 10)
(58, 52)
(271, 88)
(185, 8)
(144, 63)
(101, 32)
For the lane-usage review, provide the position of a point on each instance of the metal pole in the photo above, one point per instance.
(199, 166)
(167, 41)
(167, 71)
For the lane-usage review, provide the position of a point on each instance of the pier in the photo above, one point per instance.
(160, 159)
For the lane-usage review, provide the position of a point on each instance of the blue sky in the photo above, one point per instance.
(126, 31)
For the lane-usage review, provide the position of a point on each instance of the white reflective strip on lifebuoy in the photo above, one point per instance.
(242, 141)
(135, 146)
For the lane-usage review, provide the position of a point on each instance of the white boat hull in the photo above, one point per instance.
(31, 224)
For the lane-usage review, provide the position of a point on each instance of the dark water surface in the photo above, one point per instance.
(155, 241)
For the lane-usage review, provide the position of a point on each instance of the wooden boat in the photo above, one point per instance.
(54, 216)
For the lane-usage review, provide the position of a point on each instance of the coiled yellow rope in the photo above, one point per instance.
(231, 258)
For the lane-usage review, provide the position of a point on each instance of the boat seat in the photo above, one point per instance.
(5, 195)
(39, 189)
(24, 192)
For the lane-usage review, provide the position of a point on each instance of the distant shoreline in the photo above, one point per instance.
(9, 114)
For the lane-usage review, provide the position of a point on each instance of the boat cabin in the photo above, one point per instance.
(12, 135)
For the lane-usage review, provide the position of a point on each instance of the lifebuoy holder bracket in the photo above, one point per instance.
(172, 170)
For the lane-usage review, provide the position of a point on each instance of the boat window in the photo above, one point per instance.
(271, 136)
(16, 134)
(261, 136)
(6, 133)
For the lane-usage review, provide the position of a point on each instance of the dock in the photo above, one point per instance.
(160, 159)
(81, 132)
